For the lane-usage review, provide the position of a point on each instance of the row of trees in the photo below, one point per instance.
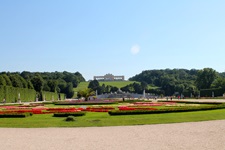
(169, 82)
(181, 80)
(60, 82)
(95, 86)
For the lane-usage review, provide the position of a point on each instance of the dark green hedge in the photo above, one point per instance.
(192, 102)
(51, 96)
(16, 115)
(166, 110)
(75, 114)
(208, 92)
(11, 94)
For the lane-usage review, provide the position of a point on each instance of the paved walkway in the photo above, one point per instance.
(207, 135)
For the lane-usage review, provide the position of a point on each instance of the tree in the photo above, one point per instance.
(16, 82)
(69, 90)
(2, 80)
(7, 80)
(46, 87)
(53, 85)
(94, 85)
(30, 85)
(86, 93)
(37, 82)
(219, 83)
(144, 85)
(62, 85)
(205, 78)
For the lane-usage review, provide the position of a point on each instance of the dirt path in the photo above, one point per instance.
(207, 135)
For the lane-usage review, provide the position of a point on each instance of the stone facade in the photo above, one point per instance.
(109, 77)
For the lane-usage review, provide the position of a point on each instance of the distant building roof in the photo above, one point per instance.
(109, 77)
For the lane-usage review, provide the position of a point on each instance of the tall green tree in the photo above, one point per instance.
(94, 85)
(7, 79)
(219, 83)
(86, 93)
(16, 82)
(2, 80)
(205, 78)
(69, 90)
(53, 85)
(37, 82)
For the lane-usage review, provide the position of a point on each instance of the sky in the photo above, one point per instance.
(121, 37)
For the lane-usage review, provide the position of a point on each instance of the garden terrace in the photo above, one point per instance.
(118, 113)
(82, 102)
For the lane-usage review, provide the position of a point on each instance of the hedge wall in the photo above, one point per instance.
(208, 92)
(11, 94)
(48, 96)
(62, 96)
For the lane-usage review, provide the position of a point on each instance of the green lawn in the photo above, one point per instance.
(118, 84)
(92, 119)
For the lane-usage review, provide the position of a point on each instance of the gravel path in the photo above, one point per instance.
(207, 135)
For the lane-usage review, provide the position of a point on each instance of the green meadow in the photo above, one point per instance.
(96, 119)
(118, 84)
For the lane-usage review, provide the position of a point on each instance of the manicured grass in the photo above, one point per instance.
(118, 84)
(92, 119)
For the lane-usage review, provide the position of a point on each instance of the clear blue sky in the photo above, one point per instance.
(122, 37)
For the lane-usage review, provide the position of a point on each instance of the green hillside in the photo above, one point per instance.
(118, 84)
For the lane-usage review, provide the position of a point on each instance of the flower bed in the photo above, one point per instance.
(125, 108)
(99, 109)
(166, 110)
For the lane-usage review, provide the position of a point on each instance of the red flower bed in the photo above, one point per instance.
(99, 109)
(135, 108)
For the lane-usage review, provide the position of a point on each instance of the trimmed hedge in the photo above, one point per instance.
(48, 96)
(208, 92)
(166, 110)
(51, 96)
(16, 115)
(190, 102)
(11, 94)
(75, 114)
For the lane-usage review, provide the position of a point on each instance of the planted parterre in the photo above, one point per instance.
(169, 107)
(82, 102)
(120, 113)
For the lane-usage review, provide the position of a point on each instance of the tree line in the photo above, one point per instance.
(168, 82)
(181, 81)
(59, 82)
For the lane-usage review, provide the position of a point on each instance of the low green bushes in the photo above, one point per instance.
(192, 102)
(75, 114)
(70, 118)
(15, 115)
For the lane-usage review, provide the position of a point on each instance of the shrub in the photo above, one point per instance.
(70, 118)
(15, 115)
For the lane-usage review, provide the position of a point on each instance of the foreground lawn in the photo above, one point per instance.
(104, 119)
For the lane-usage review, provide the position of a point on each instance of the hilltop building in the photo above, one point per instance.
(109, 77)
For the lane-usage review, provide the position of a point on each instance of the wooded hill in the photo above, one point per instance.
(183, 81)
(167, 82)
(58, 82)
